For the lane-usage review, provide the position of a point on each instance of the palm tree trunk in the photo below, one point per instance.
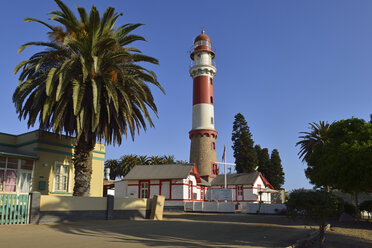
(83, 166)
(321, 234)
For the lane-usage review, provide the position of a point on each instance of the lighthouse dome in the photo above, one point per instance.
(202, 43)
(202, 37)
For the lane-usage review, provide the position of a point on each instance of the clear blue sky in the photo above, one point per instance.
(282, 64)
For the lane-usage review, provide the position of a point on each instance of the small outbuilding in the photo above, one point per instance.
(178, 183)
(246, 187)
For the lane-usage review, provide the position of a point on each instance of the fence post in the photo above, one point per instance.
(35, 207)
(110, 207)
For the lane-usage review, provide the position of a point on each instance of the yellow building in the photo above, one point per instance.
(42, 161)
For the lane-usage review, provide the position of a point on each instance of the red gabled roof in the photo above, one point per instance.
(194, 171)
(267, 184)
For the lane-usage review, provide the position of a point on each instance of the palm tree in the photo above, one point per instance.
(127, 162)
(143, 160)
(87, 82)
(317, 135)
(154, 160)
(114, 166)
(168, 159)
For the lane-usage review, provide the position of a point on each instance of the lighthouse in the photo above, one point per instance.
(203, 135)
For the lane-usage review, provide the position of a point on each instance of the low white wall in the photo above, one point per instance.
(252, 208)
(212, 207)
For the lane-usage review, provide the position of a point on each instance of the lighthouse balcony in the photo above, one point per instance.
(198, 70)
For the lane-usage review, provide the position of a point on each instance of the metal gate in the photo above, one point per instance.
(13, 209)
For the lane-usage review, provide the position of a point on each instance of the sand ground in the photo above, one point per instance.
(176, 230)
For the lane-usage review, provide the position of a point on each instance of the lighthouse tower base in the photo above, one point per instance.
(203, 153)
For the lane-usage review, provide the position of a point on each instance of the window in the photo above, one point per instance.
(211, 81)
(202, 43)
(212, 99)
(215, 169)
(144, 189)
(15, 174)
(212, 120)
(190, 190)
(213, 146)
(61, 177)
(240, 190)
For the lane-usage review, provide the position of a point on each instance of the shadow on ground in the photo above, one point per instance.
(195, 230)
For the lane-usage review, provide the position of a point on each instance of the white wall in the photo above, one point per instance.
(121, 189)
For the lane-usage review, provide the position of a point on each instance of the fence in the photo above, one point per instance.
(13, 209)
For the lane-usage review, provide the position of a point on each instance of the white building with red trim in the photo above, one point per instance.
(182, 183)
(246, 187)
(177, 183)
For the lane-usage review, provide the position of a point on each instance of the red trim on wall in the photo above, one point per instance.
(194, 171)
(242, 193)
(170, 189)
(236, 193)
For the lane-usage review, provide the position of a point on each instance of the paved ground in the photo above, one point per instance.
(177, 230)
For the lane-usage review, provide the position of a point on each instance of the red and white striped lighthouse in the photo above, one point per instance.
(203, 135)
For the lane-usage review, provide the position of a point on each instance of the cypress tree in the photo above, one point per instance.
(244, 153)
(275, 174)
(263, 160)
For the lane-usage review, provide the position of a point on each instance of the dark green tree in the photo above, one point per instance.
(263, 158)
(315, 206)
(89, 81)
(275, 174)
(244, 153)
(345, 161)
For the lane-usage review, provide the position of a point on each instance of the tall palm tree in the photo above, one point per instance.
(143, 160)
(87, 82)
(127, 162)
(168, 159)
(114, 167)
(318, 134)
(155, 160)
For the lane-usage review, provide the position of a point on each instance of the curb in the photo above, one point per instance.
(313, 235)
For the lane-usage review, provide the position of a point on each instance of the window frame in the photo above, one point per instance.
(147, 189)
(18, 172)
(240, 190)
(69, 177)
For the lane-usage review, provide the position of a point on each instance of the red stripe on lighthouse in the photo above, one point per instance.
(202, 90)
